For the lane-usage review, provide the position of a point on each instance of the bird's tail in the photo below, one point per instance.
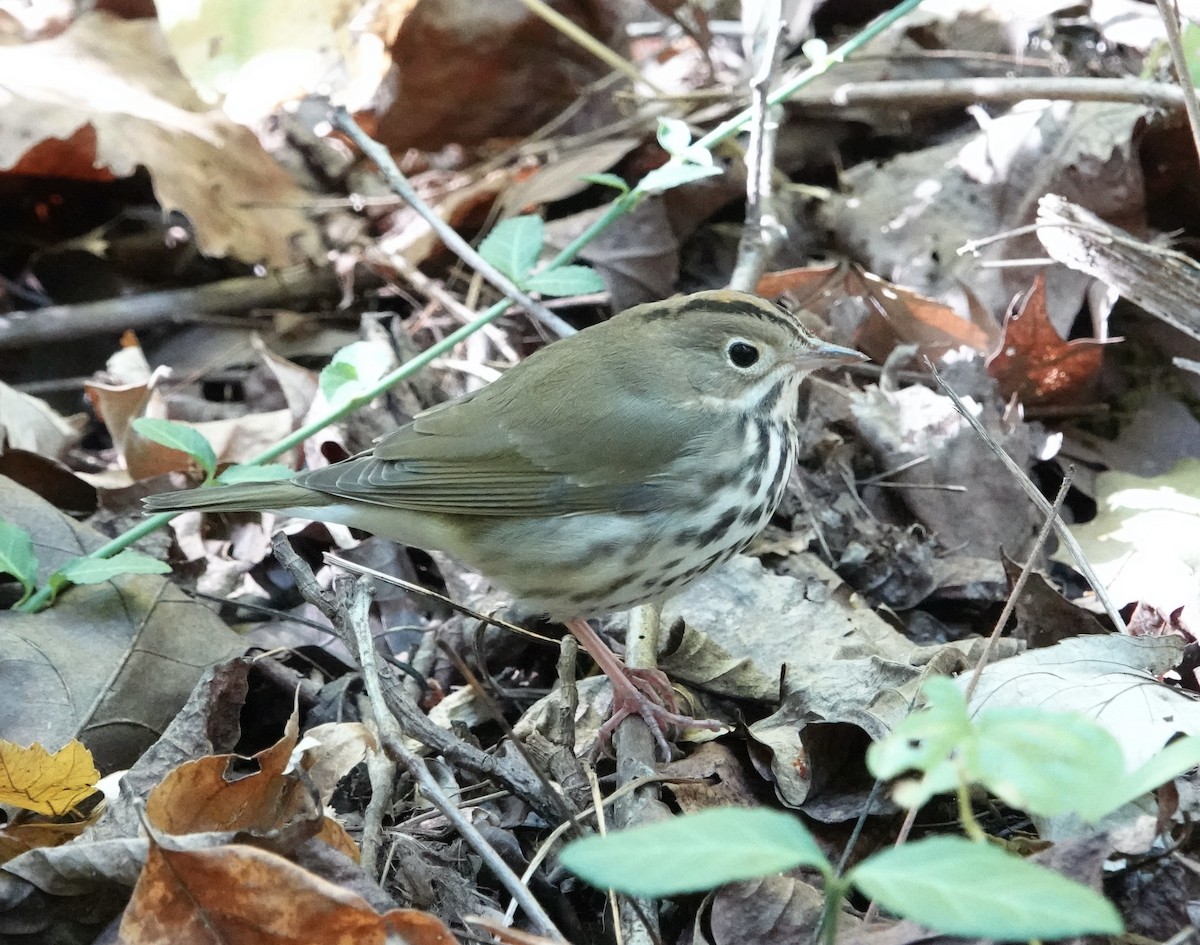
(242, 497)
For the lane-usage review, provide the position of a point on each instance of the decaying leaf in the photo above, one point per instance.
(32, 778)
(878, 314)
(242, 893)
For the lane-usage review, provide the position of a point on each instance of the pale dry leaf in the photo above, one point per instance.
(118, 78)
(27, 423)
(1111, 678)
(1143, 543)
(252, 57)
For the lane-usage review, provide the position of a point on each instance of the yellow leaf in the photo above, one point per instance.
(33, 779)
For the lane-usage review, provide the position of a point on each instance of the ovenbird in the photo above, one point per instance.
(607, 470)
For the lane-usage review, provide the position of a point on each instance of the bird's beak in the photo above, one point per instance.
(826, 353)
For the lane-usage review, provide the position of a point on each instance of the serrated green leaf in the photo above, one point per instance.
(972, 889)
(674, 174)
(674, 135)
(179, 436)
(695, 852)
(566, 280)
(17, 556)
(513, 245)
(99, 570)
(354, 370)
(607, 180)
(1047, 763)
(242, 473)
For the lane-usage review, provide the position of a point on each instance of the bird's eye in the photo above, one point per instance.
(742, 354)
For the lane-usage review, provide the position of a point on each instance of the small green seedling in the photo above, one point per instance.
(1047, 763)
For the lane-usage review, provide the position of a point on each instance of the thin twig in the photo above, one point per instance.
(634, 745)
(381, 771)
(363, 570)
(297, 287)
(1019, 584)
(395, 179)
(1169, 11)
(434, 289)
(759, 232)
(586, 40)
(356, 622)
(926, 94)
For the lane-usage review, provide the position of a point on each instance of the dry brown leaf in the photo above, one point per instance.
(51, 784)
(18, 838)
(244, 894)
(1035, 365)
(891, 315)
(210, 794)
(117, 78)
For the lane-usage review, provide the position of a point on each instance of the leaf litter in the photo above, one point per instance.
(903, 233)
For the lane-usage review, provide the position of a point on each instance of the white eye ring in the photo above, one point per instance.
(741, 354)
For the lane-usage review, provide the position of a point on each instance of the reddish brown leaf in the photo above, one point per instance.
(889, 314)
(243, 895)
(209, 794)
(1035, 365)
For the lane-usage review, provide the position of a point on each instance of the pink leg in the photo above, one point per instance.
(643, 692)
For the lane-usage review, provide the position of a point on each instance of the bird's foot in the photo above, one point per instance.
(647, 693)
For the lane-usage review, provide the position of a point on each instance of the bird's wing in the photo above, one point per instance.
(530, 443)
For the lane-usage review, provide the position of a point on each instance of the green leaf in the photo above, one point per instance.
(179, 436)
(566, 280)
(607, 180)
(1048, 763)
(1181, 755)
(674, 136)
(963, 888)
(694, 852)
(354, 370)
(513, 245)
(244, 473)
(99, 570)
(938, 741)
(17, 556)
(674, 174)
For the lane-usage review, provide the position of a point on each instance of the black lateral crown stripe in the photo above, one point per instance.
(761, 309)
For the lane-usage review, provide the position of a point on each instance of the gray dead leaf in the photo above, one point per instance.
(563, 177)
(916, 423)
(872, 694)
(770, 910)
(109, 664)
(28, 423)
(987, 183)
(772, 620)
